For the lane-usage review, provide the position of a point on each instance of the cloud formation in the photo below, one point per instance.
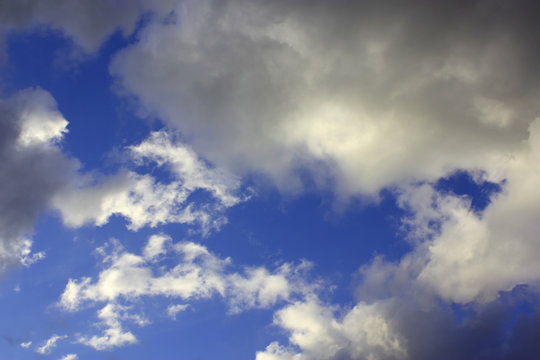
(143, 200)
(403, 328)
(480, 262)
(70, 357)
(50, 344)
(33, 169)
(363, 333)
(196, 274)
(366, 94)
(36, 175)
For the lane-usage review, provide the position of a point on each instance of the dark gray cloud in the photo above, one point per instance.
(501, 329)
(32, 170)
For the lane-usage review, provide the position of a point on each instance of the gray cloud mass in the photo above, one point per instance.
(32, 168)
(380, 93)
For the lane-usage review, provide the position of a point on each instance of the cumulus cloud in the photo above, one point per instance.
(363, 333)
(145, 201)
(113, 335)
(378, 93)
(196, 274)
(465, 291)
(462, 255)
(33, 169)
(402, 328)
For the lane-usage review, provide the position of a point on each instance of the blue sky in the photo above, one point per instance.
(279, 180)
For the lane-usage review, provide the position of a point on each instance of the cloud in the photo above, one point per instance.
(405, 327)
(363, 333)
(33, 169)
(462, 255)
(467, 290)
(50, 344)
(196, 274)
(145, 201)
(113, 335)
(37, 175)
(173, 310)
(26, 345)
(89, 23)
(364, 95)
(162, 148)
(69, 357)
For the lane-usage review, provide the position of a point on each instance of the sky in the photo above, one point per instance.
(269, 180)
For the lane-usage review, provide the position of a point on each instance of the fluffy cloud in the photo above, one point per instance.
(378, 93)
(363, 333)
(143, 200)
(113, 335)
(33, 169)
(468, 289)
(196, 274)
(464, 255)
(402, 328)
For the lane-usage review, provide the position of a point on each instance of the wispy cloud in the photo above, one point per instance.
(145, 201)
(196, 274)
(50, 344)
(70, 357)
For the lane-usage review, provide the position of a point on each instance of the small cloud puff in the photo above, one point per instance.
(50, 344)
(70, 357)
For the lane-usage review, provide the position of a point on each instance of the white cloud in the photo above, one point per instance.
(113, 334)
(50, 344)
(41, 123)
(173, 310)
(258, 288)
(70, 357)
(157, 245)
(348, 92)
(161, 148)
(26, 345)
(461, 256)
(363, 333)
(144, 201)
(196, 274)
(475, 256)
